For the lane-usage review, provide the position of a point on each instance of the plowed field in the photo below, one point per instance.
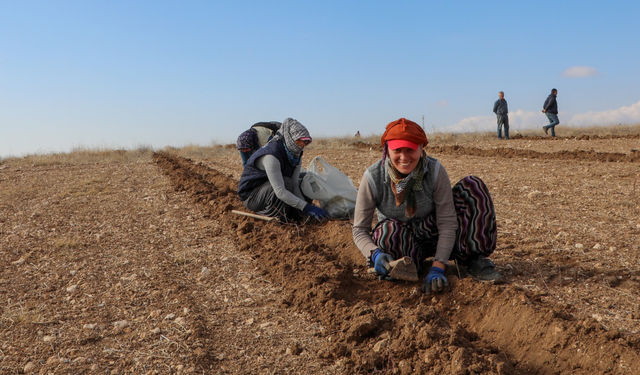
(143, 268)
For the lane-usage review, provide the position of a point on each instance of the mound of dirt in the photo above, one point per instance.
(503, 152)
(374, 326)
(583, 137)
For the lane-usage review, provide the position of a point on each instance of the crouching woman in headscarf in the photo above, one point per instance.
(258, 135)
(420, 215)
(269, 184)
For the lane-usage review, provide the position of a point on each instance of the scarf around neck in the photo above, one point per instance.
(404, 188)
(290, 131)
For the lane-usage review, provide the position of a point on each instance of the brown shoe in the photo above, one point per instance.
(546, 130)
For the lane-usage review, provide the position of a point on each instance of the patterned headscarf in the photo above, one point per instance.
(248, 140)
(290, 131)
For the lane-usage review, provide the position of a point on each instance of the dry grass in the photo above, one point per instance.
(576, 131)
(143, 153)
(82, 155)
(17, 315)
(67, 243)
(343, 142)
(439, 138)
(374, 139)
(194, 151)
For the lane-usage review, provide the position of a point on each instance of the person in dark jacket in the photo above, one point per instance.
(501, 110)
(257, 136)
(269, 184)
(550, 108)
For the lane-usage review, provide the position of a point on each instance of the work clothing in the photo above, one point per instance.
(553, 121)
(551, 111)
(263, 200)
(314, 212)
(503, 121)
(269, 184)
(501, 110)
(406, 130)
(435, 281)
(254, 176)
(264, 135)
(435, 198)
(248, 140)
(550, 104)
(290, 132)
(381, 262)
(255, 137)
(500, 107)
(435, 220)
(476, 232)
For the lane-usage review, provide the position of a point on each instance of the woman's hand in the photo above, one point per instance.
(381, 262)
(435, 281)
(316, 212)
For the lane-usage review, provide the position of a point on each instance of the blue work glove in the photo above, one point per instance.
(315, 212)
(435, 281)
(381, 261)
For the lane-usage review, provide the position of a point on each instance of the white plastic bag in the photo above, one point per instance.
(333, 189)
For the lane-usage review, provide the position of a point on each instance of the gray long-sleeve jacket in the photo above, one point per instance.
(271, 166)
(500, 107)
(446, 218)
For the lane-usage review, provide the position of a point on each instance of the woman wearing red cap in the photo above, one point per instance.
(420, 215)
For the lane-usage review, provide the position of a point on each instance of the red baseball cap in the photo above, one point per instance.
(405, 130)
(395, 144)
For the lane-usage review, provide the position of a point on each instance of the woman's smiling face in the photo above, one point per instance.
(405, 159)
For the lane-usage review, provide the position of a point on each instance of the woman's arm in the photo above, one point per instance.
(446, 219)
(271, 166)
(363, 217)
(296, 185)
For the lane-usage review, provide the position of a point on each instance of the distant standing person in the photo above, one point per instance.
(257, 136)
(502, 115)
(550, 108)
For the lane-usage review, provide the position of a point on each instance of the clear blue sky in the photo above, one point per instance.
(124, 73)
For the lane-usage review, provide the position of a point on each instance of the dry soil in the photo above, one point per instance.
(143, 268)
